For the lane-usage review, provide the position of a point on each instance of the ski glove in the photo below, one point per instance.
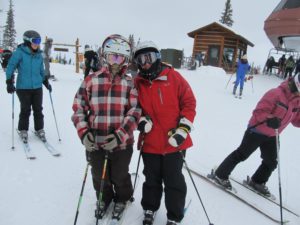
(274, 122)
(10, 87)
(111, 142)
(47, 85)
(145, 124)
(89, 142)
(177, 136)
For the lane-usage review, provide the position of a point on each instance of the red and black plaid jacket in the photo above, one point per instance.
(103, 106)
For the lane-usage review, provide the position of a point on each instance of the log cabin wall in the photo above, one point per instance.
(222, 47)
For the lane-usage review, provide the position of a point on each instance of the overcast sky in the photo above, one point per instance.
(166, 22)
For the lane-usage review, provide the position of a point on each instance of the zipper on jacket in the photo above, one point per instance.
(160, 96)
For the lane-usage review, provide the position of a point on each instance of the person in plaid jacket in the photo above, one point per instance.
(105, 115)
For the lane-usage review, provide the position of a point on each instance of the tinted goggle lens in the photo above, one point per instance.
(115, 59)
(36, 41)
(148, 57)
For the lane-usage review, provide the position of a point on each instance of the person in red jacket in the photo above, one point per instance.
(168, 110)
(276, 110)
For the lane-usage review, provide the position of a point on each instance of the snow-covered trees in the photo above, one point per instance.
(226, 17)
(9, 35)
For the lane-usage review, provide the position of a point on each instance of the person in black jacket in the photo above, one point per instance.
(90, 60)
(5, 56)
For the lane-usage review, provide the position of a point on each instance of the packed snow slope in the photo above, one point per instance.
(45, 191)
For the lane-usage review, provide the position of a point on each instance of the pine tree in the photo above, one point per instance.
(9, 36)
(131, 40)
(226, 17)
(132, 43)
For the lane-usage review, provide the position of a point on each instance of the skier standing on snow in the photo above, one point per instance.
(168, 109)
(105, 115)
(242, 68)
(46, 56)
(90, 60)
(28, 60)
(276, 109)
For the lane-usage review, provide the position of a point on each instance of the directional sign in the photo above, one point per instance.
(61, 49)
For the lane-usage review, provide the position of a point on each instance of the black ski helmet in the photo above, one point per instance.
(29, 35)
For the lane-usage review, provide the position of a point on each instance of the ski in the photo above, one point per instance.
(26, 147)
(238, 197)
(111, 219)
(271, 199)
(48, 146)
(104, 220)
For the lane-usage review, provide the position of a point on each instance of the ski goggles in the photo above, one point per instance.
(36, 41)
(147, 57)
(115, 59)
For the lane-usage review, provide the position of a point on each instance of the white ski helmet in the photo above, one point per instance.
(145, 46)
(116, 44)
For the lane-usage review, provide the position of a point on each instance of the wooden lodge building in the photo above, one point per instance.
(221, 46)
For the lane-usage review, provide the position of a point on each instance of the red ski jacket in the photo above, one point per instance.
(166, 99)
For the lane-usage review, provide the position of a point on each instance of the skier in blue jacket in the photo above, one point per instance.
(28, 61)
(242, 68)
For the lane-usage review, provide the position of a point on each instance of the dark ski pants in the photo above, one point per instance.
(251, 141)
(31, 98)
(117, 185)
(167, 170)
(47, 67)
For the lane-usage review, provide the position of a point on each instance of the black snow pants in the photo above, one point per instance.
(31, 98)
(251, 141)
(117, 182)
(167, 170)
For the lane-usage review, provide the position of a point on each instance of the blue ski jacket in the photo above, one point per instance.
(31, 72)
(242, 68)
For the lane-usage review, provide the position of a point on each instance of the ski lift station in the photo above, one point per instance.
(283, 29)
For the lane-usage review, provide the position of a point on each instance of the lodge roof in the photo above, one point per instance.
(227, 29)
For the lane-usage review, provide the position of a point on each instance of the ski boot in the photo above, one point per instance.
(241, 92)
(101, 210)
(172, 222)
(41, 135)
(148, 217)
(223, 182)
(261, 188)
(234, 90)
(118, 210)
(24, 135)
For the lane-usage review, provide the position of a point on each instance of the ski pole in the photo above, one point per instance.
(189, 172)
(13, 122)
(136, 175)
(81, 193)
(252, 85)
(279, 177)
(100, 198)
(229, 80)
(54, 116)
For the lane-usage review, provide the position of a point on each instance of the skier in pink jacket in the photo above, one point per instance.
(276, 109)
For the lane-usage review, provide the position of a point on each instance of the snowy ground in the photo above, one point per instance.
(45, 191)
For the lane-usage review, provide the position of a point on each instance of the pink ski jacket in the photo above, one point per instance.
(278, 102)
